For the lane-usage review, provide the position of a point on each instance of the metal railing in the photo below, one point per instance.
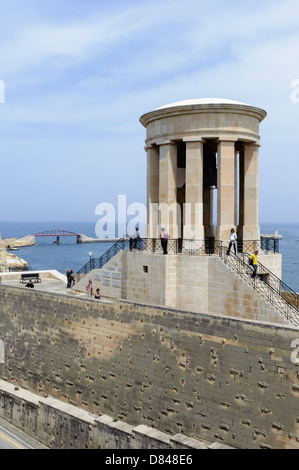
(209, 246)
(264, 245)
(273, 289)
(270, 244)
(98, 263)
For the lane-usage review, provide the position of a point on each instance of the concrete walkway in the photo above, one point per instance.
(51, 281)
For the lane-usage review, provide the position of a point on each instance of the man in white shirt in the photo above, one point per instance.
(232, 241)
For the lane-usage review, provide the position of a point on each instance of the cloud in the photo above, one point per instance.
(79, 75)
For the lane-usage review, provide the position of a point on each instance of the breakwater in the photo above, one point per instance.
(84, 239)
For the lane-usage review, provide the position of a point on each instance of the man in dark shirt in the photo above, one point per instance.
(30, 284)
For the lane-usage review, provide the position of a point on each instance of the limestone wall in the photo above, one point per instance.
(272, 262)
(58, 425)
(201, 284)
(208, 377)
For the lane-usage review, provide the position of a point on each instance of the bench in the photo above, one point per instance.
(30, 276)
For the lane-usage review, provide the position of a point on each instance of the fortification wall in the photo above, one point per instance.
(208, 377)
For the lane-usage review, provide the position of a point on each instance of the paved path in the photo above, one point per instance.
(55, 286)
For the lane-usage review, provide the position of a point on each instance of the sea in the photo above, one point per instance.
(69, 255)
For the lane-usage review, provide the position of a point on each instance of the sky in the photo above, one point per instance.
(76, 77)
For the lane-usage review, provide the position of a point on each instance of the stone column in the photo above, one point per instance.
(193, 209)
(251, 229)
(241, 193)
(236, 189)
(208, 205)
(169, 210)
(225, 190)
(152, 196)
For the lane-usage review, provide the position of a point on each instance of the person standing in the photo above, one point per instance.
(136, 237)
(232, 241)
(253, 259)
(135, 240)
(89, 289)
(72, 278)
(68, 277)
(164, 240)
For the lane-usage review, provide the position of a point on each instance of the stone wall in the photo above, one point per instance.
(202, 284)
(58, 425)
(208, 377)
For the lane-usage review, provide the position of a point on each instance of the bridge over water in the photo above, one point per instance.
(80, 238)
(57, 234)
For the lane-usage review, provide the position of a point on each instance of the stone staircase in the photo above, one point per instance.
(266, 284)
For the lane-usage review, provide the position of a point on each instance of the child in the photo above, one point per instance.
(97, 295)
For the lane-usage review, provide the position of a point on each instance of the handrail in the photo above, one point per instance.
(283, 287)
(266, 283)
(264, 245)
(209, 246)
(98, 263)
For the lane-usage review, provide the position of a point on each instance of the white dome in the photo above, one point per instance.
(202, 101)
(202, 105)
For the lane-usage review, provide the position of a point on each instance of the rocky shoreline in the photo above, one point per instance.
(9, 261)
(12, 243)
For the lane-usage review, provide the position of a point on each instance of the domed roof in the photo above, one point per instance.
(202, 101)
(202, 104)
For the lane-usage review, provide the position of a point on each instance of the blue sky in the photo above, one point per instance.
(78, 76)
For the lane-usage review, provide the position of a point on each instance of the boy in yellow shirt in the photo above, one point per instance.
(253, 257)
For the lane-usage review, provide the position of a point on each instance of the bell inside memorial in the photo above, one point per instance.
(209, 164)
